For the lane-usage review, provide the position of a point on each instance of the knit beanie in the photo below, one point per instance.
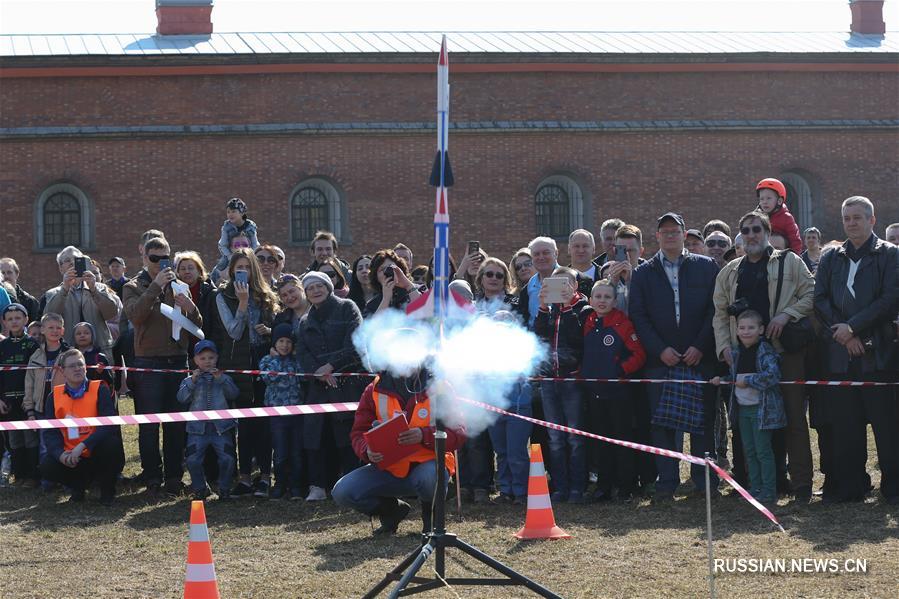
(281, 331)
(313, 276)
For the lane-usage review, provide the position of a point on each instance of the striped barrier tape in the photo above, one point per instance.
(640, 447)
(532, 378)
(331, 408)
(165, 417)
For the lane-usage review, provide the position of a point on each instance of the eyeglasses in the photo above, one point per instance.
(155, 259)
(269, 259)
(492, 274)
(330, 273)
(753, 229)
(721, 243)
(524, 264)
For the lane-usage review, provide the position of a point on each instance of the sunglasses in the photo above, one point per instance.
(716, 243)
(156, 259)
(524, 264)
(239, 246)
(492, 274)
(269, 259)
(330, 273)
(753, 229)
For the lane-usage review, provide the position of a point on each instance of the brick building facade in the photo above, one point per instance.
(163, 141)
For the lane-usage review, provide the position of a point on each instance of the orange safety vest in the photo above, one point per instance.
(386, 407)
(85, 407)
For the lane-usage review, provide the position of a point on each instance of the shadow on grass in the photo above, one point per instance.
(349, 553)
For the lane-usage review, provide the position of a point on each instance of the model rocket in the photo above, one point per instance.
(442, 178)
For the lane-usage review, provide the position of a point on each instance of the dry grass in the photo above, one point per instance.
(283, 549)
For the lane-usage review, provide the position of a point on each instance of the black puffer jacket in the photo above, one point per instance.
(873, 309)
(560, 327)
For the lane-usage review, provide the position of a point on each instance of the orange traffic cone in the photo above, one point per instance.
(539, 523)
(200, 582)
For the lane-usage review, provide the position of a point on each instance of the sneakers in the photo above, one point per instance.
(505, 498)
(481, 496)
(277, 492)
(77, 496)
(520, 500)
(319, 494)
(391, 512)
(260, 489)
(296, 495)
(242, 490)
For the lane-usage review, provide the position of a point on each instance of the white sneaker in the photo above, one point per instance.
(316, 494)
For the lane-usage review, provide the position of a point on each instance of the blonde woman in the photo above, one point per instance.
(190, 270)
(246, 307)
(494, 285)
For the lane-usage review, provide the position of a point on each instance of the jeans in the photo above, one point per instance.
(156, 392)
(361, 488)
(562, 404)
(287, 444)
(510, 442)
(759, 454)
(103, 465)
(223, 445)
(666, 438)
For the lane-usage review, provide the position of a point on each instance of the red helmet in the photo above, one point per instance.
(774, 184)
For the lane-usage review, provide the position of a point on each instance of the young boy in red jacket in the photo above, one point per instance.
(611, 351)
(772, 195)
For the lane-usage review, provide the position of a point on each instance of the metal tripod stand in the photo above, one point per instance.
(438, 541)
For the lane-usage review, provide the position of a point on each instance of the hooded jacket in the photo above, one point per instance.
(782, 222)
(560, 328)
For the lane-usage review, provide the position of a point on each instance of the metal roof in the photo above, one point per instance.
(556, 42)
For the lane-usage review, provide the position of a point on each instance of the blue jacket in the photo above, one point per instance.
(281, 390)
(651, 308)
(209, 393)
(766, 379)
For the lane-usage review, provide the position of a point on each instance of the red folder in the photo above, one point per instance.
(382, 439)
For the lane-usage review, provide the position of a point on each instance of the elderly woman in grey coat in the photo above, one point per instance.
(325, 346)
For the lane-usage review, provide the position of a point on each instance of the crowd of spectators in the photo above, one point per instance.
(743, 312)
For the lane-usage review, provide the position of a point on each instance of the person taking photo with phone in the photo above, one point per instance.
(81, 297)
(155, 348)
(246, 307)
(389, 277)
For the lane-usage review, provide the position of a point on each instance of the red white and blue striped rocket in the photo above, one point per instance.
(435, 302)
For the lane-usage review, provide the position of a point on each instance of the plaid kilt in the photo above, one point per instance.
(680, 406)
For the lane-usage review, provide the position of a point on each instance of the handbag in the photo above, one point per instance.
(795, 335)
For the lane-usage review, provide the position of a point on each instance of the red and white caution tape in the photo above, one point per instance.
(331, 408)
(639, 447)
(165, 417)
(533, 378)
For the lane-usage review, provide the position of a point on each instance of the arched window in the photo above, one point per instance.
(799, 199)
(64, 217)
(560, 207)
(315, 205)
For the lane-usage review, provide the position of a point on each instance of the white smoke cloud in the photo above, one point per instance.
(478, 358)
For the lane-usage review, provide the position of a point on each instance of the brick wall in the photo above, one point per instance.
(180, 184)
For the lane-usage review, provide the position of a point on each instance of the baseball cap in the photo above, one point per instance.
(694, 233)
(677, 218)
(116, 259)
(203, 345)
